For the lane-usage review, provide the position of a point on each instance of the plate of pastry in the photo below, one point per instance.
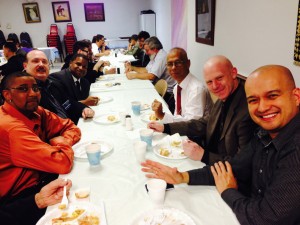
(77, 213)
(107, 119)
(148, 117)
(170, 147)
(80, 153)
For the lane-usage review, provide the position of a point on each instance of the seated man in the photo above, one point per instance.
(71, 81)
(192, 99)
(28, 210)
(37, 65)
(155, 70)
(228, 127)
(14, 62)
(98, 46)
(261, 184)
(36, 144)
(142, 59)
(94, 69)
(133, 45)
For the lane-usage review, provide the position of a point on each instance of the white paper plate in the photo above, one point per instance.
(103, 119)
(90, 209)
(145, 107)
(172, 217)
(175, 152)
(146, 117)
(105, 99)
(79, 149)
(105, 78)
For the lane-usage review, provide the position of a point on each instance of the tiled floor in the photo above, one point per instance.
(56, 67)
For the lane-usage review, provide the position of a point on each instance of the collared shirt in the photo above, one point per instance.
(272, 168)
(195, 101)
(25, 147)
(158, 68)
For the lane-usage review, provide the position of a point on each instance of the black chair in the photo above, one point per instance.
(24, 36)
(2, 39)
(14, 37)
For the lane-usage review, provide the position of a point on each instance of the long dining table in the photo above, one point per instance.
(119, 183)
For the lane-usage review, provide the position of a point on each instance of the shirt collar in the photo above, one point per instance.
(184, 84)
(31, 123)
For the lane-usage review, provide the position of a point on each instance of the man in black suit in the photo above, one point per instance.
(14, 62)
(37, 65)
(228, 128)
(72, 82)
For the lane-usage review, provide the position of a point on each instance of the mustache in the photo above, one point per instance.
(41, 69)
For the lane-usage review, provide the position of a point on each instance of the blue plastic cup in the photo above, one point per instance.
(136, 108)
(146, 135)
(93, 152)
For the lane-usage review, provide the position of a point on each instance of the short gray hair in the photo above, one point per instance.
(153, 43)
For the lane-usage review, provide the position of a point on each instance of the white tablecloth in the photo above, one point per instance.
(119, 182)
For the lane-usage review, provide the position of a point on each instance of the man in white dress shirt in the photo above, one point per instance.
(192, 99)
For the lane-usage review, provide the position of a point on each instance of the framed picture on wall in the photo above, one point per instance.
(61, 11)
(94, 12)
(31, 12)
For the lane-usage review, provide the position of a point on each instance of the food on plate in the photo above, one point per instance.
(62, 206)
(108, 84)
(164, 152)
(89, 220)
(111, 118)
(82, 194)
(146, 106)
(152, 117)
(65, 217)
(176, 143)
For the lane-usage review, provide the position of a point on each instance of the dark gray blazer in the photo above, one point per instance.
(237, 132)
(66, 79)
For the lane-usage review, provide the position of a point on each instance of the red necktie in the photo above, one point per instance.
(178, 100)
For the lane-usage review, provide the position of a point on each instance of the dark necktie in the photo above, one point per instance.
(178, 100)
(77, 84)
(222, 118)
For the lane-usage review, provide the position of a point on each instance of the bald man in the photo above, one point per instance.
(261, 184)
(192, 99)
(228, 127)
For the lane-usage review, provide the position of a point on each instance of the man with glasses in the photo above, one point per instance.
(142, 59)
(98, 47)
(228, 128)
(155, 70)
(35, 144)
(192, 99)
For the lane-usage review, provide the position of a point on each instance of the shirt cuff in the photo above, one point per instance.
(231, 195)
(167, 129)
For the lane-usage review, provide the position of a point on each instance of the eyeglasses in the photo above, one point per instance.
(86, 51)
(25, 89)
(176, 63)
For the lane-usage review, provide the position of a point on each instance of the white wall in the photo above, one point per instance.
(250, 33)
(162, 8)
(121, 19)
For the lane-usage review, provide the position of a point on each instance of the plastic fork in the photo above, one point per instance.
(64, 202)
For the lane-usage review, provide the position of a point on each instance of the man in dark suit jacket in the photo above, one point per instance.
(72, 81)
(228, 128)
(37, 65)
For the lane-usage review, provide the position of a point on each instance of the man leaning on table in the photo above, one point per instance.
(269, 165)
(155, 70)
(37, 65)
(36, 144)
(228, 128)
(192, 99)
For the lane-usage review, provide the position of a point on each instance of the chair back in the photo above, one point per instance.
(70, 29)
(14, 37)
(53, 29)
(161, 87)
(24, 36)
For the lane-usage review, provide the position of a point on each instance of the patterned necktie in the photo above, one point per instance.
(178, 100)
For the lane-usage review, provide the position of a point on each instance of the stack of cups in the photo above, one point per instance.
(156, 191)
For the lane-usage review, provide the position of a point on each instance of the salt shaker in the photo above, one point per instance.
(128, 122)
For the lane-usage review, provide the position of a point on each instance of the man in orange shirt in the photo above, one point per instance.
(36, 144)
